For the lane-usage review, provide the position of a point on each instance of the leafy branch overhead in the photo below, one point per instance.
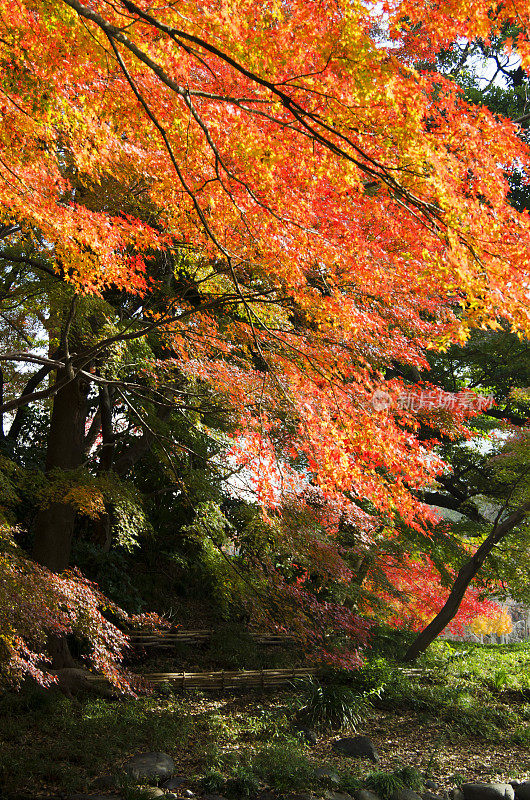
(232, 239)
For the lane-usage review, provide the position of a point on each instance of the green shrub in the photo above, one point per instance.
(283, 767)
(386, 784)
(243, 782)
(379, 678)
(212, 782)
(411, 778)
(521, 735)
(269, 724)
(330, 706)
(349, 783)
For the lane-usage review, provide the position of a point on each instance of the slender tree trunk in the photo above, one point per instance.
(54, 525)
(102, 525)
(463, 579)
(22, 411)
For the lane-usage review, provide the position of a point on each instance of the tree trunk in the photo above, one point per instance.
(54, 525)
(102, 525)
(463, 579)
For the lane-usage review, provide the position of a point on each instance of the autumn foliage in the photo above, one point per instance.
(35, 603)
(330, 208)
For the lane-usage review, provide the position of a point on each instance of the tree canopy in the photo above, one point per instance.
(229, 231)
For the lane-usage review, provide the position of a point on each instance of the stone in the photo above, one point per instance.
(356, 747)
(487, 791)
(327, 775)
(431, 784)
(92, 797)
(330, 795)
(178, 784)
(149, 766)
(153, 792)
(365, 794)
(309, 736)
(405, 794)
(521, 789)
(457, 794)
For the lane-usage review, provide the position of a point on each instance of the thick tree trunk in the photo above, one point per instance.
(54, 530)
(54, 525)
(463, 579)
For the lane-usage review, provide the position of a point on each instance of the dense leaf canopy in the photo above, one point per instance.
(264, 211)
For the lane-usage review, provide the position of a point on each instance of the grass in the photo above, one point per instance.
(477, 691)
(49, 741)
(497, 667)
(468, 698)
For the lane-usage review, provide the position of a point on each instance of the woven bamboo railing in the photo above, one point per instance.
(166, 640)
(220, 679)
(225, 679)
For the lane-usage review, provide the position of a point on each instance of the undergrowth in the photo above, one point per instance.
(236, 746)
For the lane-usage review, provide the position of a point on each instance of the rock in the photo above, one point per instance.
(521, 789)
(308, 735)
(365, 794)
(405, 794)
(432, 796)
(487, 791)
(92, 797)
(152, 792)
(327, 775)
(457, 794)
(330, 795)
(178, 783)
(171, 796)
(431, 784)
(149, 766)
(357, 747)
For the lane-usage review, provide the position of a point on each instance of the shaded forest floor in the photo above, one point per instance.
(465, 716)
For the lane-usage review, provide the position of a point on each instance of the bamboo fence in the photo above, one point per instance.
(224, 679)
(220, 679)
(166, 640)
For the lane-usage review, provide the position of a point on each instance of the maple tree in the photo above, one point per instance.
(262, 207)
(488, 482)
